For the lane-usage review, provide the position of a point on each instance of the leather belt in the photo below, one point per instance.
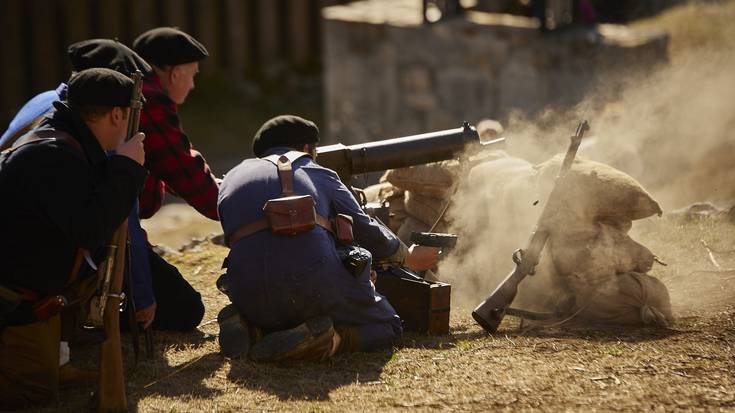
(262, 224)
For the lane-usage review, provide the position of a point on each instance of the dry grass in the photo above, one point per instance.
(688, 367)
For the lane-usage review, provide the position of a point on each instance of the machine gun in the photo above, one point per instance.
(423, 305)
(489, 314)
(400, 152)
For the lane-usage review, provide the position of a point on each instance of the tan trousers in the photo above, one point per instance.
(29, 364)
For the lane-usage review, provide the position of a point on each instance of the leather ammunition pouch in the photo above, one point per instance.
(290, 214)
(21, 306)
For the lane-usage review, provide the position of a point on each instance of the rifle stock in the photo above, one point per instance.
(489, 314)
(112, 376)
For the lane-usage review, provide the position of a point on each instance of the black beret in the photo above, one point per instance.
(99, 87)
(169, 46)
(284, 130)
(107, 53)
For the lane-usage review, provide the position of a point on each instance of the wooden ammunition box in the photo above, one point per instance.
(422, 305)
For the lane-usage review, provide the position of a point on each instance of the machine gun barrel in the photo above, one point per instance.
(399, 152)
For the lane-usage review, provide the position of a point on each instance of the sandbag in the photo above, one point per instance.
(376, 193)
(629, 299)
(424, 208)
(387, 192)
(592, 257)
(433, 179)
(593, 191)
(410, 224)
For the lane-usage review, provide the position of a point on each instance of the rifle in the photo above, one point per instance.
(112, 380)
(399, 152)
(490, 312)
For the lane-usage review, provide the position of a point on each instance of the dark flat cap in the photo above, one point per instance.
(284, 130)
(99, 87)
(168, 46)
(106, 53)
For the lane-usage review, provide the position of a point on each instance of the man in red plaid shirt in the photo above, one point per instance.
(172, 163)
(174, 167)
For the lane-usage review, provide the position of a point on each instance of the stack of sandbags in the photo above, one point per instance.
(591, 266)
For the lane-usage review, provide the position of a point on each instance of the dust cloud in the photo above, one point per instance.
(672, 129)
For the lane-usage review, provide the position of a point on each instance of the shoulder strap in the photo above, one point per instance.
(285, 170)
(43, 135)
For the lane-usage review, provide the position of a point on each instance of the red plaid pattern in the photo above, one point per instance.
(172, 164)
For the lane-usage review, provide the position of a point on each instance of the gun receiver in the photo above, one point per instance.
(489, 314)
(434, 239)
(399, 152)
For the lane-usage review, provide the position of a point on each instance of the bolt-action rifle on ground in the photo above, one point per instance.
(489, 314)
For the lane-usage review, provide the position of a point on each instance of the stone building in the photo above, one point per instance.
(387, 74)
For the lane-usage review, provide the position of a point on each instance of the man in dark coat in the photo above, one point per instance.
(67, 196)
(87, 54)
(297, 288)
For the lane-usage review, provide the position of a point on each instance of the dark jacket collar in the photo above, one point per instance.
(68, 120)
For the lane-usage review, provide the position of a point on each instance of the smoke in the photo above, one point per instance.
(671, 128)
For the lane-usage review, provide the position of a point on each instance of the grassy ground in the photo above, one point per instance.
(688, 367)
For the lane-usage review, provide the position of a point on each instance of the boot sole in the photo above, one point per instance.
(302, 342)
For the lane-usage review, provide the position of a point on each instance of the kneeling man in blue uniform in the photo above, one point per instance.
(293, 296)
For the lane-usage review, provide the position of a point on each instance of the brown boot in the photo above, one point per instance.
(235, 335)
(311, 340)
(70, 376)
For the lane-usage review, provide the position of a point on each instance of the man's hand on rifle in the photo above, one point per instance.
(421, 258)
(145, 316)
(133, 148)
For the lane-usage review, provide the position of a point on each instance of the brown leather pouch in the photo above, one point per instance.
(290, 215)
(343, 229)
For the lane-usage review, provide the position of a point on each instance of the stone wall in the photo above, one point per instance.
(386, 74)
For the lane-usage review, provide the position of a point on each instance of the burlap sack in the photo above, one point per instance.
(424, 208)
(434, 179)
(410, 224)
(593, 191)
(590, 258)
(629, 299)
(376, 193)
